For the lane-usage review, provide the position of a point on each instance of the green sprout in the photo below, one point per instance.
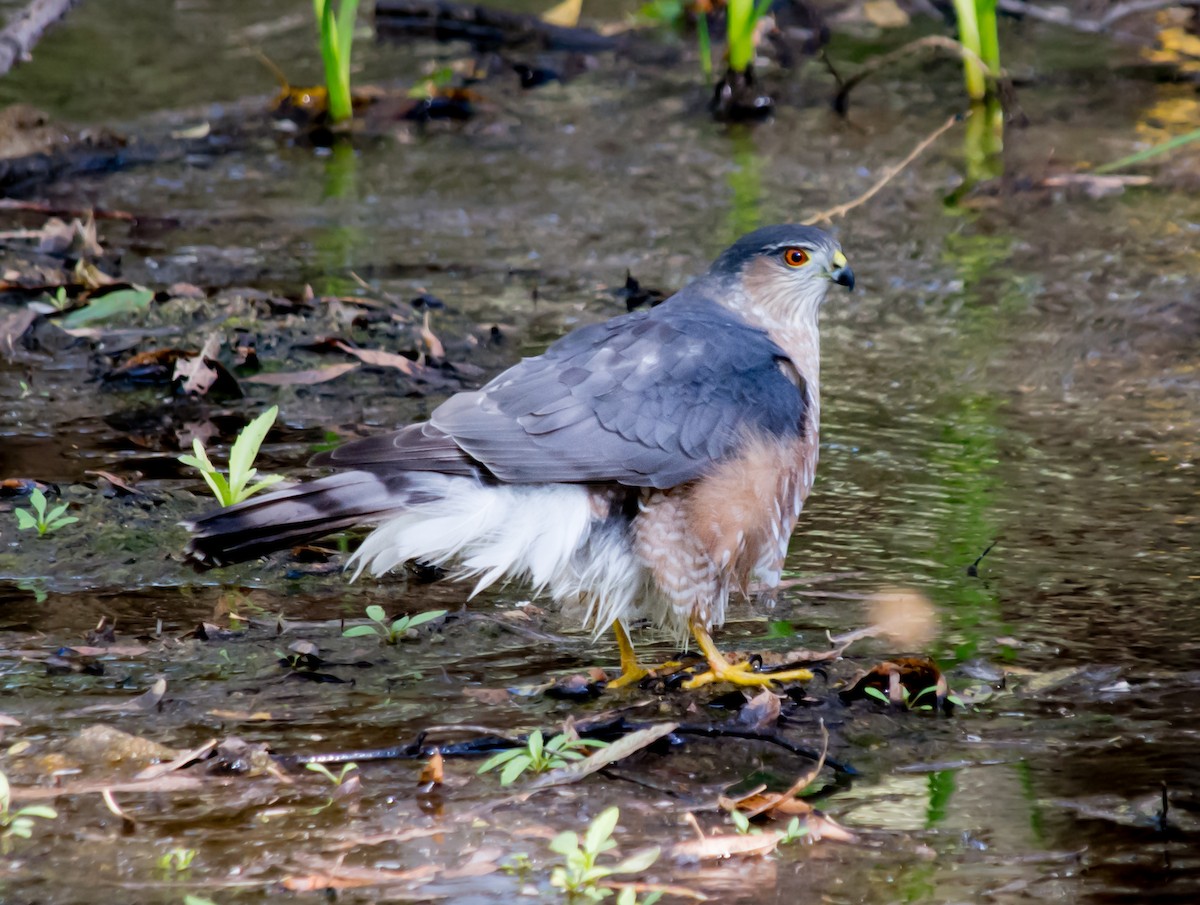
(977, 32)
(337, 40)
(236, 487)
(910, 702)
(741, 22)
(38, 518)
(176, 860)
(59, 301)
(390, 633)
(579, 875)
(336, 779)
(539, 756)
(794, 831)
(18, 824)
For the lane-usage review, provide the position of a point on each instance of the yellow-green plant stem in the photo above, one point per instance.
(977, 33)
(337, 40)
(741, 18)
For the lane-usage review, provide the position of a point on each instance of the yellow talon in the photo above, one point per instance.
(632, 671)
(721, 670)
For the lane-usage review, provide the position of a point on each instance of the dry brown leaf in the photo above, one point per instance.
(12, 327)
(726, 845)
(339, 876)
(601, 758)
(380, 359)
(198, 373)
(433, 345)
(434, 771)
(761, 711)
(121, 485)
(490, 696)
(303, 378)
(178, 763)
(257, 716)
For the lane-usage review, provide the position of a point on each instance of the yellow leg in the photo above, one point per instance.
(632, 671)
(721, 670)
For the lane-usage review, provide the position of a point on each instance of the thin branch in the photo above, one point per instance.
(24, 30)
(930, 42)
(1057, 15)
(889, 174)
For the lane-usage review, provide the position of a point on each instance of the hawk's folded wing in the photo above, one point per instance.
(649, 399)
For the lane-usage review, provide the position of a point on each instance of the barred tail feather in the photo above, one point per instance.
(295, 515)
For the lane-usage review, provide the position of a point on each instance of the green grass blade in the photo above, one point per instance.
(346, 16)
(1141, 156)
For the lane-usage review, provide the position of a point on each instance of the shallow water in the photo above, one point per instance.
(1020, 372)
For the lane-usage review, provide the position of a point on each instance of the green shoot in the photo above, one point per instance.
(579, 875)
(335, 779)
(912, 702)
(390, 633)
(977, 32)
(337, 39)
(741, 23)
(39, 519)
(236, 487)
(18, 824)
(705, 42)
(794, 832)
(741, 823)
(539, 756)
(176, 860)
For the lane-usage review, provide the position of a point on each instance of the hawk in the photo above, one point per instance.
(646, 467)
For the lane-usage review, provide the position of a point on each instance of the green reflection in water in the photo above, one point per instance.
(942, 786)
(336, 244)
(745, 184)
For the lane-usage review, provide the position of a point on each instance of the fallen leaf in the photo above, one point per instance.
(885, 14)
(112, 304)
(761, 711)
(177, 763)
(726, 845)
(339, 876)
(602, 757)
(303, 378)
(198, 373)
(564, 14)
(1093, 185)
(118, 483)
(380, 359)
(433, 773)
(12, 327)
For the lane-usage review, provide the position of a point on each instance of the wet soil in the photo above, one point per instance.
(1016, 371)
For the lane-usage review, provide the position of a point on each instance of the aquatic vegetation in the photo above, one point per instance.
(977, 33)
(38, 518)
(18, 824)
(392, 633)
(236, 487)
(580, 875)
(741, 24)
(337, 40)
(793, 832)
(539, 756)
(176, 860)
(1149, 153)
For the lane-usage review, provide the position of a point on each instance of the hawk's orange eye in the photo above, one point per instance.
(795, 257)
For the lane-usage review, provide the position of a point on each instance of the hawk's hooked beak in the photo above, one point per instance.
(842, 274)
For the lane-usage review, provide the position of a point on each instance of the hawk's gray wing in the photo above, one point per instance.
(649, 399)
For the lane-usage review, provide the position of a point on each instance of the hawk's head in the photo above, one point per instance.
(785, 270)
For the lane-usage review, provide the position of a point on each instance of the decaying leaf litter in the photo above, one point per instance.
(506, 633)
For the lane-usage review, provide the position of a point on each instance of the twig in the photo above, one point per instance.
(24, 30)
(54, 210)
(1057, 15)
(889, 174)
(932, 42)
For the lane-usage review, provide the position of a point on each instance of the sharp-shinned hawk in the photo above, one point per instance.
(646, 466)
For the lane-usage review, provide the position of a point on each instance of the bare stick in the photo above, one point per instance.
(931, 42)
(24, 30)
(889, 174)
(1057, 15)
